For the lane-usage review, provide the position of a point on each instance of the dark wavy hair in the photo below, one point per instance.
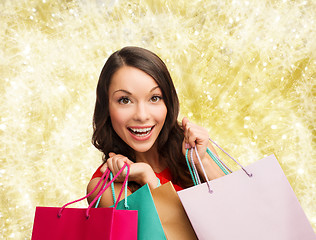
(169, 141)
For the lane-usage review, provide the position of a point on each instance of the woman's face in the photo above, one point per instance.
(136, 107)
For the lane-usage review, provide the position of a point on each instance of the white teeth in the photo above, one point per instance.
(141, 135)
(140, 130)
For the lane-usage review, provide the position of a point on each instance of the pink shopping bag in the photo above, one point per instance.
(53, 223)
(256, 202)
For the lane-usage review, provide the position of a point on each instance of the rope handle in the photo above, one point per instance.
(219, 162)
(242, 167)
(104, 177)
(113, 194)
(108, 184)
(196, 181)
(194, 176)
(125, 199)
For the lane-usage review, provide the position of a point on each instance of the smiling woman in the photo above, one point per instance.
(135, 122)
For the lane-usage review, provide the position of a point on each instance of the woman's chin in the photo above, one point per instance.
(142, 148)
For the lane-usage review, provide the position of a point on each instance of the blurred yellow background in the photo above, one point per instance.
(245, 70)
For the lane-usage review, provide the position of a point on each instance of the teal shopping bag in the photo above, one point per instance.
(149, 224)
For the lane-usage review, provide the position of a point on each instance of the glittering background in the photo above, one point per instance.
(245, 70)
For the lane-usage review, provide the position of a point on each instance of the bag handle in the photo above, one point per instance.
(219, 162)
(195, 177)
(205, 175)
(113, 194)
(108, 184)
(104, 177)
(242, 167)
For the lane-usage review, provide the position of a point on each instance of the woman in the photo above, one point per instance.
(135, 122)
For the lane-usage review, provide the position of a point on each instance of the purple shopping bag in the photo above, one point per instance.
(256, 202)
(53, 223)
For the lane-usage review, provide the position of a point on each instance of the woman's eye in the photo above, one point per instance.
(155, 99)
(124, 100)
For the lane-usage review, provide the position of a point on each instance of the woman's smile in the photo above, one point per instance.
(141, 133)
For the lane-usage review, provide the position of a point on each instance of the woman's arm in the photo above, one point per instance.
(211, 168)
(141, 173)
(196, 136)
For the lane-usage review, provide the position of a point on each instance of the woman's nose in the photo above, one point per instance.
(142, 113)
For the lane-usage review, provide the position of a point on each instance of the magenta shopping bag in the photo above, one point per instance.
(53, 223)
(256, 202)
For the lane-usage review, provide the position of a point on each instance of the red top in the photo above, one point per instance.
(164, 177)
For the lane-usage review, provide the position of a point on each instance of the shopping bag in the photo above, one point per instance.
(54, 223)
(256, 202)
(174, 220)
(149, 224)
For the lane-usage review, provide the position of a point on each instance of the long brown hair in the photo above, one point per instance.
(169, 141)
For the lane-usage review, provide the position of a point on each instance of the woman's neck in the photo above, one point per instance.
(152, 158)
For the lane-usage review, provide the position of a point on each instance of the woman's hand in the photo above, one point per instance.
(115, 162)
(194, 136)
(141, 173)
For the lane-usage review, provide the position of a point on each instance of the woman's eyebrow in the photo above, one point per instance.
(129, 93)
(122, 90)
(154, 88)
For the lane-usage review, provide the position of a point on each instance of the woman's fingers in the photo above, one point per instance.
(186, 128)
(115, 163)
(185, 120)
(194, 135)
(104, 167)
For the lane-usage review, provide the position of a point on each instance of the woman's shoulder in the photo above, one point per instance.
(97, 173)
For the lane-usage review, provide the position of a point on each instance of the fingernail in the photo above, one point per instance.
(186, 145)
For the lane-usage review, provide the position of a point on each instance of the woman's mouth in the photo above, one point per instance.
(140, 132)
